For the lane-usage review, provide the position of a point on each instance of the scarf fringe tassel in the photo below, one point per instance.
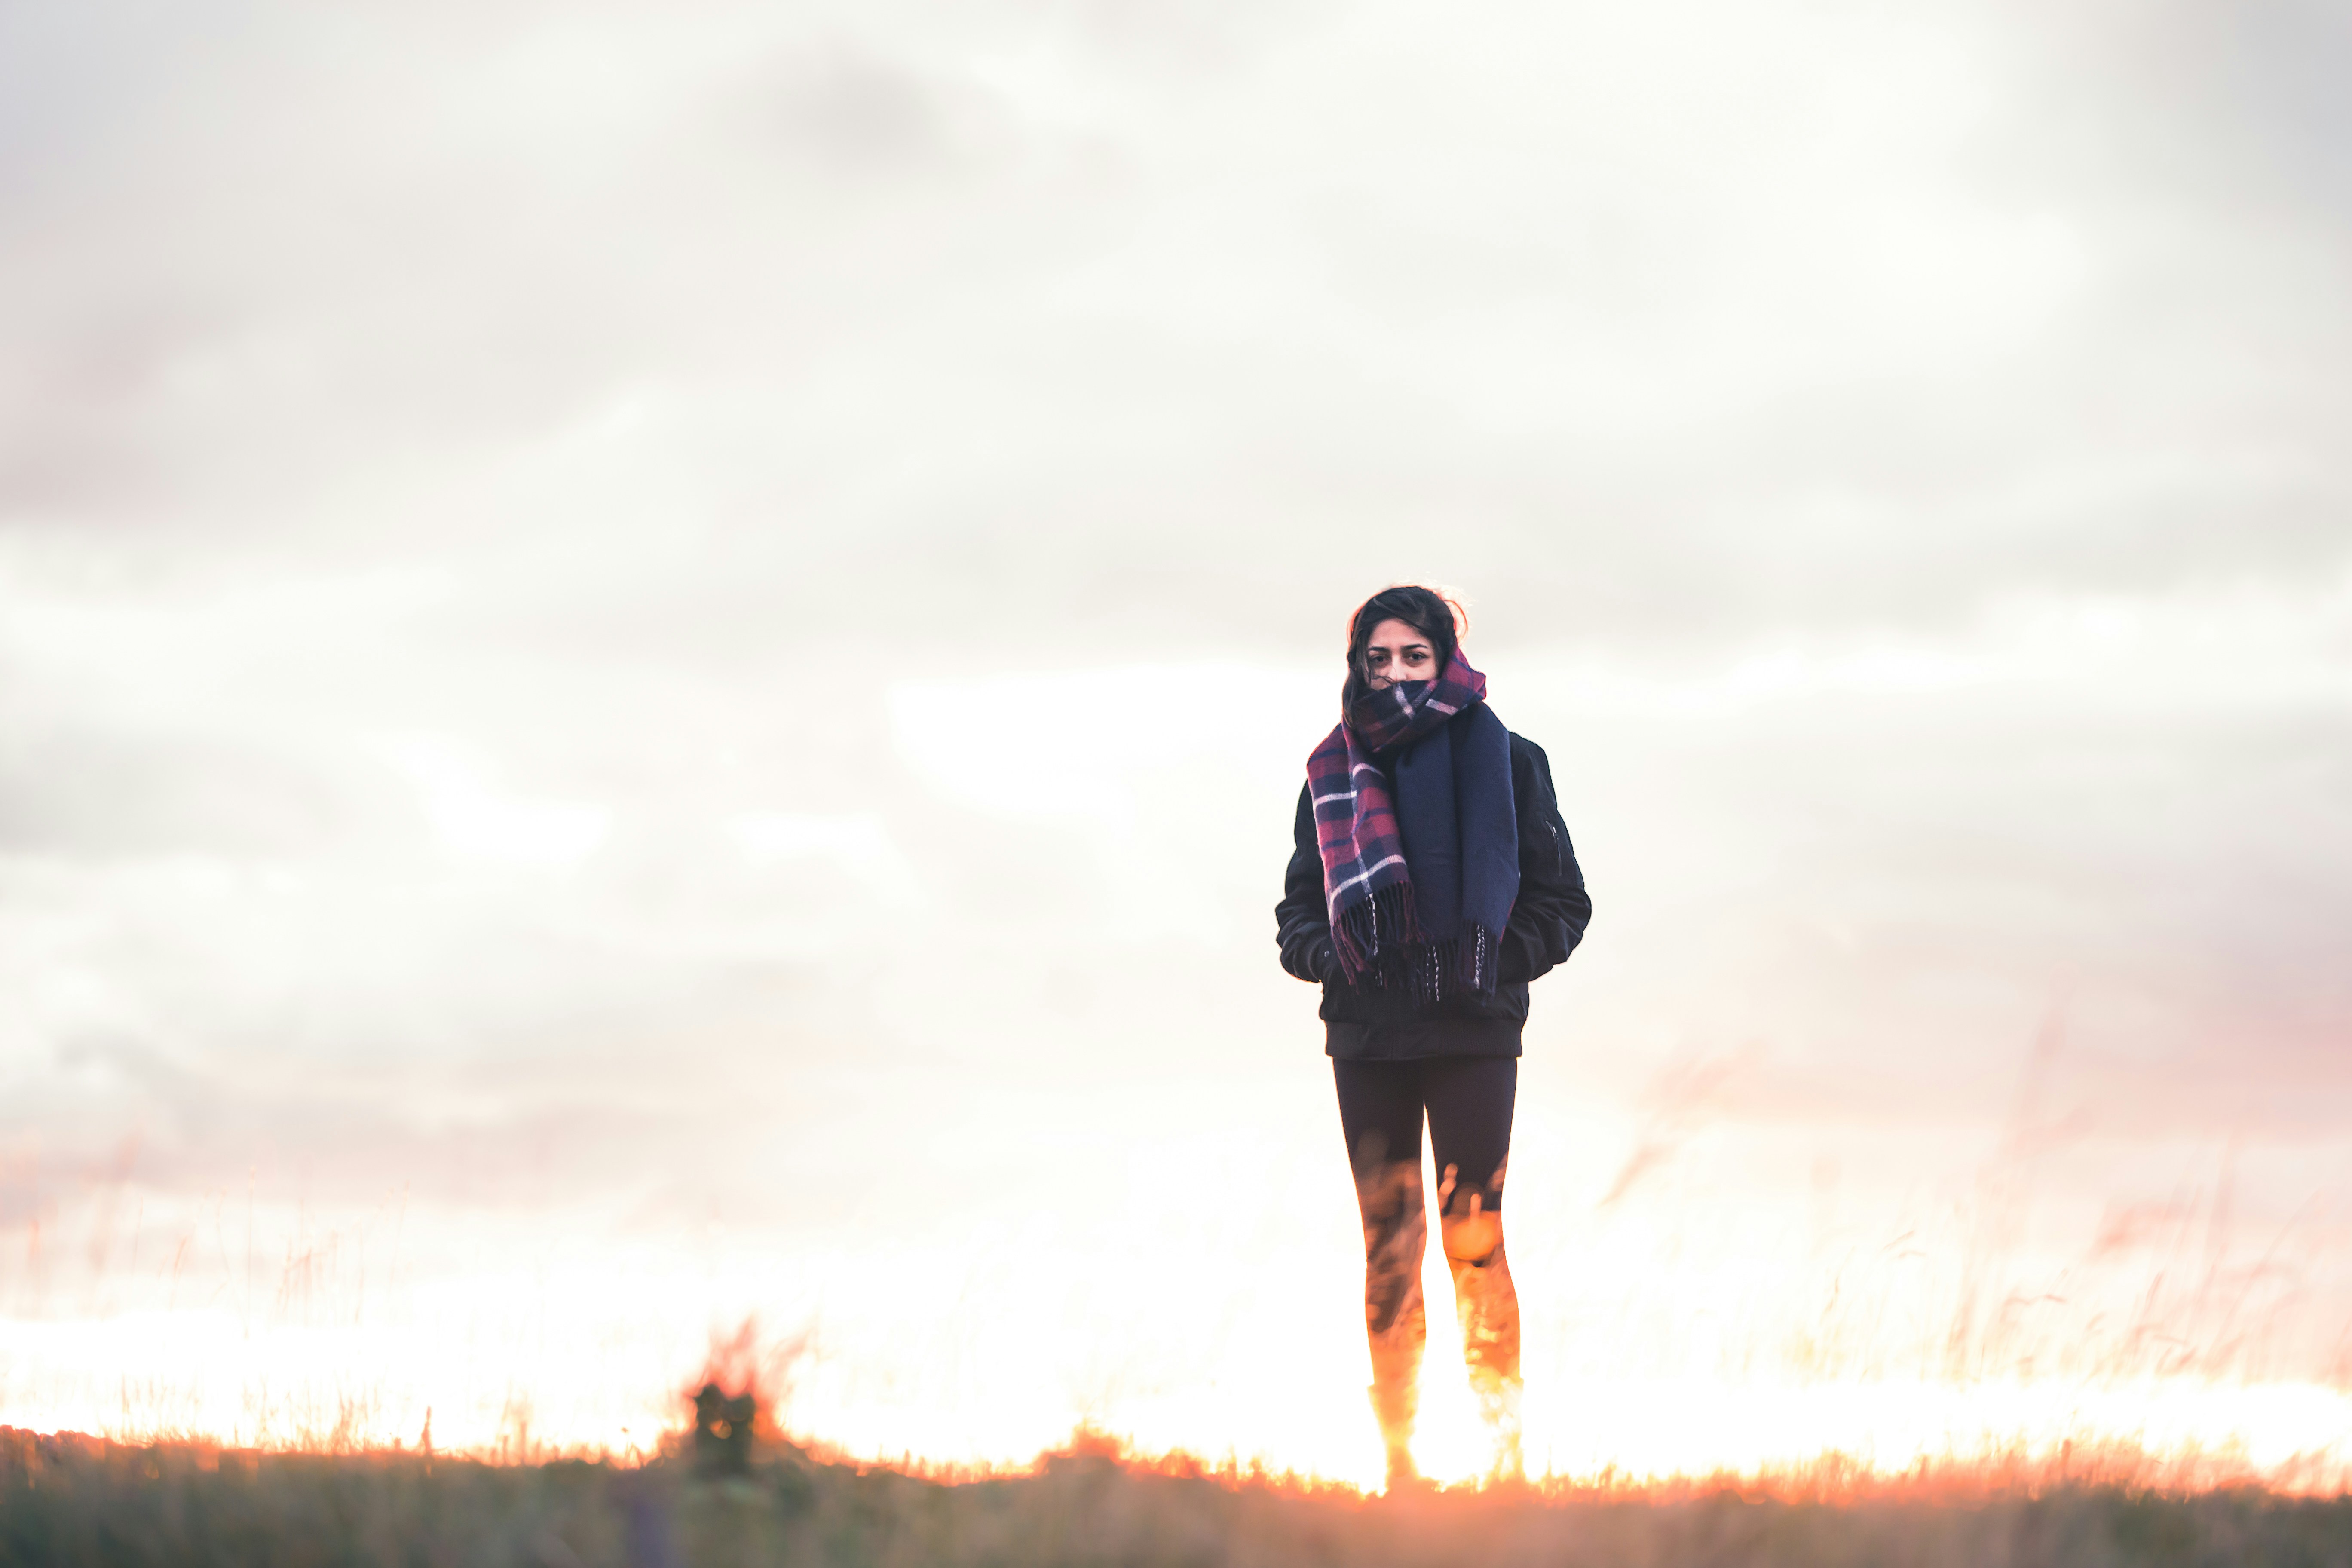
(1379, 947)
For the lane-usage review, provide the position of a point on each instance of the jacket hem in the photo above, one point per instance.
(1407, 1041)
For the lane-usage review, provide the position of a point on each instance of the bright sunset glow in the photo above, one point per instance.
(655, 664)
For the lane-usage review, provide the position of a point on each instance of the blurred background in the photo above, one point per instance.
(654, 663)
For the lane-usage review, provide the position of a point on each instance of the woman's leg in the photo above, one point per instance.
(1470, 1102)
(1380, 1113)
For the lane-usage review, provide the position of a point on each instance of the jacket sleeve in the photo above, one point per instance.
(1552, 911)
(1303, 928)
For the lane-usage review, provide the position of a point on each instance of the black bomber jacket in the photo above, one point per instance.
(1547, 922)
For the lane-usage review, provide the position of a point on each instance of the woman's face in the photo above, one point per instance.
(1398, 652)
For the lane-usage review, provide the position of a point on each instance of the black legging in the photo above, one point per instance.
(1468, 1101)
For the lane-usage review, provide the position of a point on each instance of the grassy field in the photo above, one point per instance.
(76, 1503)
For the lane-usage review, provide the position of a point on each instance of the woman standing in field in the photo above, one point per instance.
(1432, 880)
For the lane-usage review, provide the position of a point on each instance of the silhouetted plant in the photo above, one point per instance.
(722, 1431)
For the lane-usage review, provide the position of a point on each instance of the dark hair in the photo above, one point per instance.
(1425, 610)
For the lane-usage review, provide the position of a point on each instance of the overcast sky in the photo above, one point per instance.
(717, 609)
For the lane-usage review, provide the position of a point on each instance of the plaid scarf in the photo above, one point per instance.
(1418, 884)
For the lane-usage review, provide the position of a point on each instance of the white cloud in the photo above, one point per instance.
(861, 842)
(473, 817)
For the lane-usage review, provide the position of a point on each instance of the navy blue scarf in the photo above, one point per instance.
(1431, 923)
